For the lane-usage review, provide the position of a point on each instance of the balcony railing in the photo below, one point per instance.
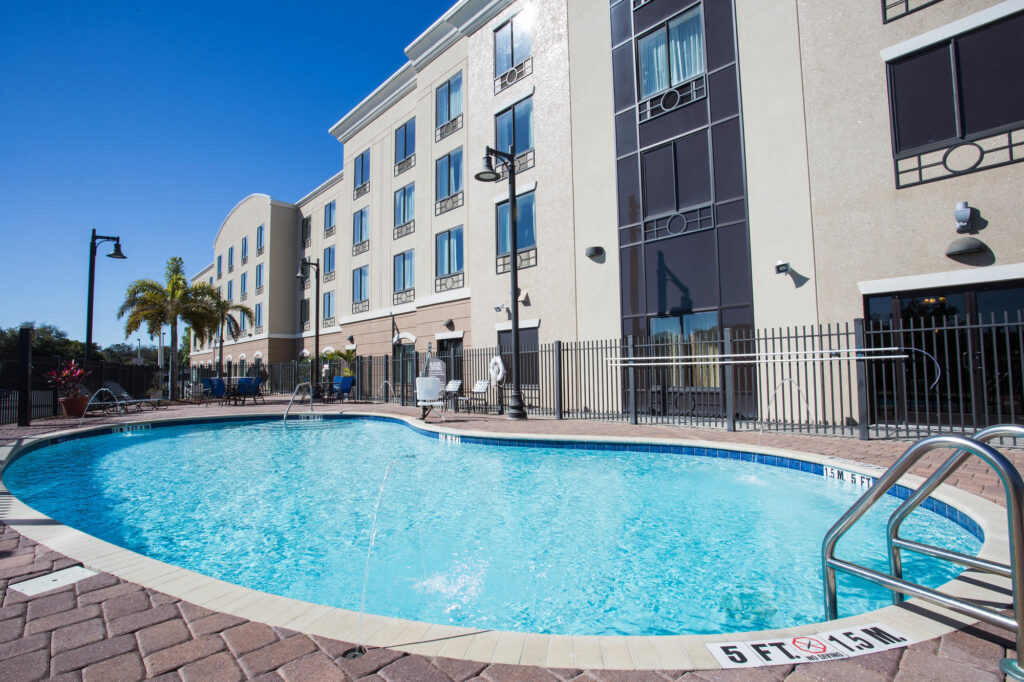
(524, 161)
(679, 96)
(361, 247)
(405, 164)
(404, 229)
(259, 250)
(328, 322)
(404, 296)
(360, 306)
(243, 296)
(259, 291)
(329, 232)
(449, 282)
(445, 129)
(361, 190)
(258, 329)
(513, 75)
(448, 203)
(527, 259)
(245, 259)
(329, 276)
(305, 326)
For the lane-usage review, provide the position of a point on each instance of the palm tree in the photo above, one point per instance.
(224, 321)
(154, 304)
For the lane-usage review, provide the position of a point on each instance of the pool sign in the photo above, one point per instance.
(859, 480)
(825, 646)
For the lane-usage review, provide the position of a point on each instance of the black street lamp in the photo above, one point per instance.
(304, 266)
(116, 253)
(516, 409)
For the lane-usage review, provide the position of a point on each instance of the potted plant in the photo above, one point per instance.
(68, 380)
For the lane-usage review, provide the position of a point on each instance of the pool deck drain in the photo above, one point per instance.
(105, 627)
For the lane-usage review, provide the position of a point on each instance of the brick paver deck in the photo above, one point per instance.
(106, 629)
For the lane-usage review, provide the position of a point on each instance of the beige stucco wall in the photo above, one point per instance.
(865, 229)
(313, 207)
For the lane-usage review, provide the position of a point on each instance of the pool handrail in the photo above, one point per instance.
(1014, 488)
(896, 543)
(309, 390)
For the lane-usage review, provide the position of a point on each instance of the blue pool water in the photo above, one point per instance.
(563, 541)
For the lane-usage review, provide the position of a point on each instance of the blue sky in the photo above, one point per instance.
(150, 121)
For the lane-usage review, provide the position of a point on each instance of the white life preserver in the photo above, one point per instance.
(497, 369)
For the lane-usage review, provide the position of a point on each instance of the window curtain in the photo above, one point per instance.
(653, 64)
(410, 202)
(442, 255)
(455, 169)
(455, 96)
(686, 47)
(524, 125)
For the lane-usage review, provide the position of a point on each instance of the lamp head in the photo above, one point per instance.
(487, 173)
(116, 253)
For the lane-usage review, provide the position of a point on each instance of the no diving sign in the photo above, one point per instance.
(825, 646)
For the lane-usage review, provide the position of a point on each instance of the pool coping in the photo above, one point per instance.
(916, 620)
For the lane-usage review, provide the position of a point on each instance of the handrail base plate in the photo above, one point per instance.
(1011, 667)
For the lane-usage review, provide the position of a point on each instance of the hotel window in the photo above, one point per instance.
(329, 216)
(449, 174)
(449, 100)
(362, 170)
(245, 249)
(241, 322)
(218, 267)
(404, 271)
(259, 240)
(231, 258)
(258, 314)
(526, 235)
(361, 284)
(243, 280)
(361, 226)
(329, 260)
(230, 290)
(304, 311)
(513, 42)
(211, 281)
(963, 89)
(514, 127)
(671, 54)
(405, 204)
(405, 141)
(307, 230)
(259, 276)
(449, 252)
(328, 305)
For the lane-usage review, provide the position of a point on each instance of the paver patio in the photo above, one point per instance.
(104, 628)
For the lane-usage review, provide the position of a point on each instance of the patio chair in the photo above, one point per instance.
(429, 396)
(477, 397)
(249, 387)
(126, 400)
(341, 387)
(214, 389)
(451, 391)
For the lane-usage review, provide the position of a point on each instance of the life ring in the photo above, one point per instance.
(497, 369)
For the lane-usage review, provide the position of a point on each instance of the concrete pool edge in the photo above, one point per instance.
(685, 652)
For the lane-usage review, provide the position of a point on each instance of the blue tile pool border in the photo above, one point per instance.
(901, 492)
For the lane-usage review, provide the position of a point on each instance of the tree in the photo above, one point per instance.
(47, 340)
(185, 352)
(226, 322)
(147, 302)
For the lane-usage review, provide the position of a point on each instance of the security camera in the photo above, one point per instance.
(498, 308)
(781, 268)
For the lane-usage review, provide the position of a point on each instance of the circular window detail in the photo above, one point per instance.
(511, 76)
(963, 157)
(669, 101)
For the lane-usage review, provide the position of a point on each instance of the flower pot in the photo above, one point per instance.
(74, 407)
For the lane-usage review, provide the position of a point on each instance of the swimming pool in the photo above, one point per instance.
(551, 537)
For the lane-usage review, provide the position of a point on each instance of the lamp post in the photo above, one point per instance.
(304, 266)
(516, 409)
(116, 253)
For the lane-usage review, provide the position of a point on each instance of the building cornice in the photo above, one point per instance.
(400, 84)
(202, 272)
(324, 186)
(955, 28)
(257, 195)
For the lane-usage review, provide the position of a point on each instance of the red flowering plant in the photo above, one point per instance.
(68, 379)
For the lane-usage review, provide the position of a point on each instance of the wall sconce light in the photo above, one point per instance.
(594, 252)
(524, 297)
(781, 268)
(350, 338)
(448, 323)
(962, 215)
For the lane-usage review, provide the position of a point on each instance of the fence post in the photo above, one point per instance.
(862, 380)
(631, 387)
(558, 379)
(24, 382)
(730, 411)
(103, 373)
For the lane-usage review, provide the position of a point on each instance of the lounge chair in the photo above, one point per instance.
(249, 387)
(127, 401)
(451, 391)
(477, 397)
(429, 395)
(214, 389)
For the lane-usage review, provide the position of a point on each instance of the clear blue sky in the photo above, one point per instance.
(152, 120)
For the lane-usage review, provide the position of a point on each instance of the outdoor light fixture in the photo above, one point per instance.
(448, 323)
(516, 410)
(595, 252)
(501, 306)
(350, 338)
(304, 266)
(962, 215)
(116, 253)
(781, 268)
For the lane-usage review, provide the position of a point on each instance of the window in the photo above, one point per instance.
(218, 267)
(304, 311)
(243, 281)
(231, 258)
(404, 271)
(361, 284)
(362, 174)
(513, 42)
(449, 100)
(242, 322)
(328, 259)
(405, 204)
(328, 305)
(259, 238)
(230, 290)
(211, 281)
(245, 248)
(529, 362)
(961, 89)
(259, 276)
(449, 174)
(671, 54)
(449, 252)
(258, 315)
(329, 216)
(526, 236)
(307, 229)
(361, 225)
(514, 127)
(405, 140)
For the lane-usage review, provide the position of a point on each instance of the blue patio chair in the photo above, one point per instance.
(341, 387)
(215, 390)
(249, 387)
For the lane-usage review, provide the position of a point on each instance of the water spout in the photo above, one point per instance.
(360, 648)
(775, 394)
(102, 389)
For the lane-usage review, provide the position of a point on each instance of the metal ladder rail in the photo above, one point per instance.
(309, 390)
(896, 543)
(1014, 487)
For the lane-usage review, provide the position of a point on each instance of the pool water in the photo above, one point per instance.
(560, 541)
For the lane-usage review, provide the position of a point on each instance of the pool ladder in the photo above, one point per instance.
(1013, 486)
(309, 390)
